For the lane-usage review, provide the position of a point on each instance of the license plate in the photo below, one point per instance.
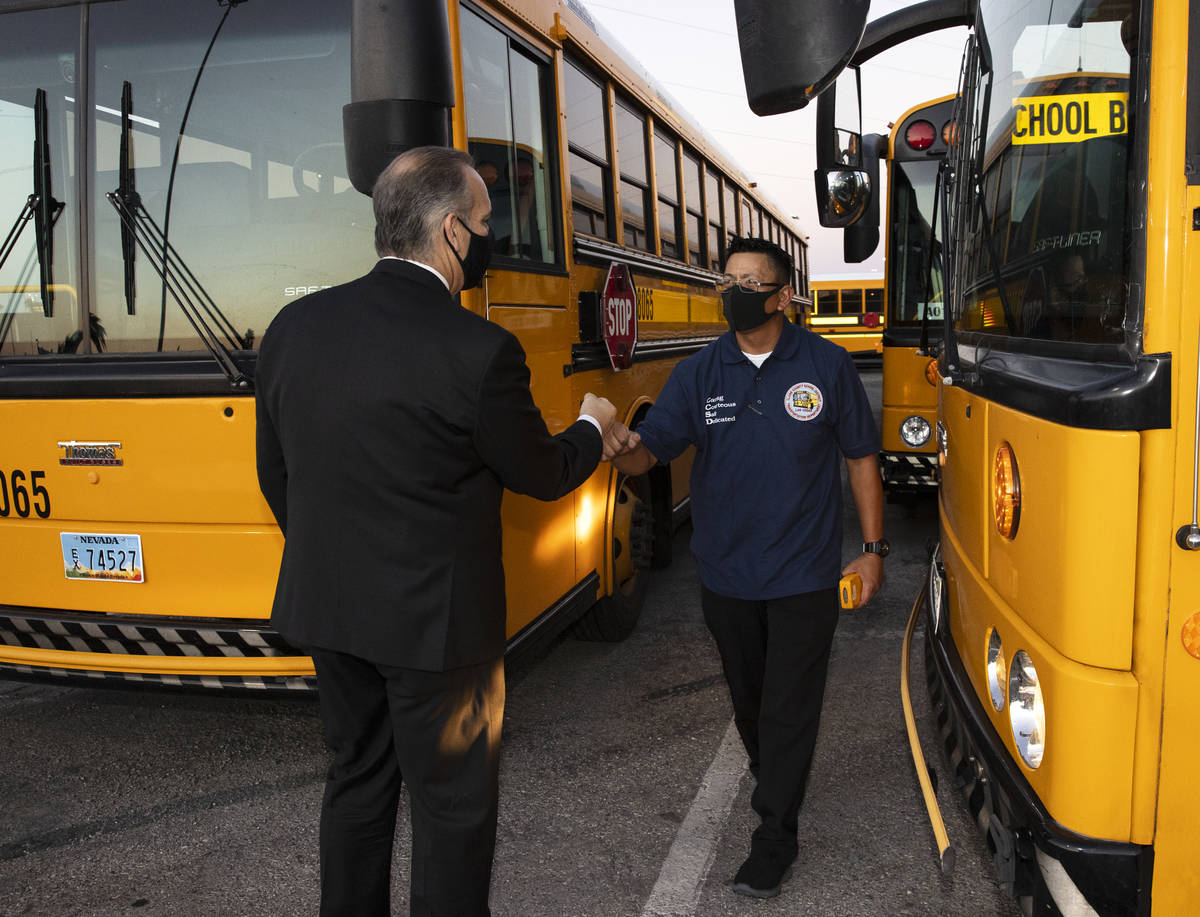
(96, 556)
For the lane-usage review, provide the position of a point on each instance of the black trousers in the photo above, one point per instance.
(440, 732)
(775, 655)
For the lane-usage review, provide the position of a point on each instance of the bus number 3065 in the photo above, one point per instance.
(21, 495)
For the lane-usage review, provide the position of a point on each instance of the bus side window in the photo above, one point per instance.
(587, 145)
(506, 95)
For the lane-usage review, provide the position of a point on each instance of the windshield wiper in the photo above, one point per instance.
(40, 207)
(139, 228)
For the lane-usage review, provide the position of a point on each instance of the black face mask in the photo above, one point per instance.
(745, 311)
(478, 257)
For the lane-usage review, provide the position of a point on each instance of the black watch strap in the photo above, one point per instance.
(880, 547)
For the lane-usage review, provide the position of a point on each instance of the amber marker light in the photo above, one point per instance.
(932, 375)
(1191, 635)
(1006, 491)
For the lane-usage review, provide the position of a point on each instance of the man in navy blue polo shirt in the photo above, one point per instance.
(770, 407)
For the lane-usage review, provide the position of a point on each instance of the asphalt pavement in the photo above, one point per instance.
(623, 790)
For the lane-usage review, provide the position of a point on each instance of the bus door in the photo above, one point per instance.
(510, 117)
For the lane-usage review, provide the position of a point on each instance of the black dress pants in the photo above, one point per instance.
(775, 654)
(440, 732)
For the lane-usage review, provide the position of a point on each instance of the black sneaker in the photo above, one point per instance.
(764, 871)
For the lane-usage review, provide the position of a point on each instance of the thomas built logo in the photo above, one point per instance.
(78, 453)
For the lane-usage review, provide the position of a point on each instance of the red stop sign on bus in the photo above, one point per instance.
(618, 315)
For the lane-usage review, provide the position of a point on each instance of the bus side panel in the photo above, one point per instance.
(539, 536)
(1086, 773)
(906, 391)
(1176, 878)
(1070, 566)
(963, 466)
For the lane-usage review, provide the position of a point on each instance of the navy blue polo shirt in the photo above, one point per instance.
(766, 483)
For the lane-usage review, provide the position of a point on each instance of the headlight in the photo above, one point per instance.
(996, 670)
(1026, 710)
(937, 588)
(915, 431)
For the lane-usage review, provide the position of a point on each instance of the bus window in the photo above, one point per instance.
(693, 206)
(667, 177)
(591, 190)
(874, 300)
(729, 214)
(826, 302)
(1053, 262)
(912, 192)
(635, 183)
(24, 326)
(852, 301)
(712, 206)
(747, 226)
(261, 208)
(503, 91)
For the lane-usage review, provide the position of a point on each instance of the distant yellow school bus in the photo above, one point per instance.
(1063, 601)
(912, 339)
(849, 311)
(134, 544)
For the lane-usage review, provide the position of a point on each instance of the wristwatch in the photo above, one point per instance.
(880, 547)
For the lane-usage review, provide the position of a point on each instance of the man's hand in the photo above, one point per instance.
(619, 440)
(600, 408)
(870, 568)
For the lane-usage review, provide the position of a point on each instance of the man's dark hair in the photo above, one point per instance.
(414, 194)
(780, 260)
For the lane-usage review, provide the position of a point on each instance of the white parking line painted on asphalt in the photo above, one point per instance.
(677, 891)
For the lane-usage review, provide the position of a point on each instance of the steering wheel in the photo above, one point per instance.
(325, 160)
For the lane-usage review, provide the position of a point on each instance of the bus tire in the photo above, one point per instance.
(614, 616)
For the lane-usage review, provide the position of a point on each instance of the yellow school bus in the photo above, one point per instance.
(1062, 630)
(916, 148)
(848, 310)
(196, 166)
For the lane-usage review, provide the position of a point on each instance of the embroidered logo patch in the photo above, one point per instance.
(803, 401)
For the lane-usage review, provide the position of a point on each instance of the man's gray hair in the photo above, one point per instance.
(413, 195)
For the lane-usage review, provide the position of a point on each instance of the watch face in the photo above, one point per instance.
(881, 547)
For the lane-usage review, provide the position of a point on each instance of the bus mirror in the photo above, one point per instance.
(860, 239)
(839, 123)
(842, 196)
(401, 84)
(378, 131)
(793, 49)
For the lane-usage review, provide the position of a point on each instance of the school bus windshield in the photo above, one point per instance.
(261, 208)
(1048, 248)
(914, 266)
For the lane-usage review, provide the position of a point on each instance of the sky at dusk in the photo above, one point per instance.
(690, 48)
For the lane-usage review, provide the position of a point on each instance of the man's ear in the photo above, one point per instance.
(785, 297)
(449, 228)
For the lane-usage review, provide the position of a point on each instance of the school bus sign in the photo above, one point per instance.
(1069, 118)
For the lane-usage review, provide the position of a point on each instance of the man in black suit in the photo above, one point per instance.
(390, 420)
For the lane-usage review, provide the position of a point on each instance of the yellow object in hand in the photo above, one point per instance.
(850, 590)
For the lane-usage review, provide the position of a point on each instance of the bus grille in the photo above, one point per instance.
(291, 685)
(82, 632)
(917, 471)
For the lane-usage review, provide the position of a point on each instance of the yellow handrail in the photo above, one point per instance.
(945, 851)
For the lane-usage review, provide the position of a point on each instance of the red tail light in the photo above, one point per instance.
(920, 135)
(871, 319)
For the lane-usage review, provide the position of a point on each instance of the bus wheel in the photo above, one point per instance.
(614, 616)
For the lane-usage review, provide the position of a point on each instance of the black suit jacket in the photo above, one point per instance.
(390, 419)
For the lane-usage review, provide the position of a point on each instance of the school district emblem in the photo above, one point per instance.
(803, 401)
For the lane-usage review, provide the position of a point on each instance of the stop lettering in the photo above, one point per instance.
(618, 309)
